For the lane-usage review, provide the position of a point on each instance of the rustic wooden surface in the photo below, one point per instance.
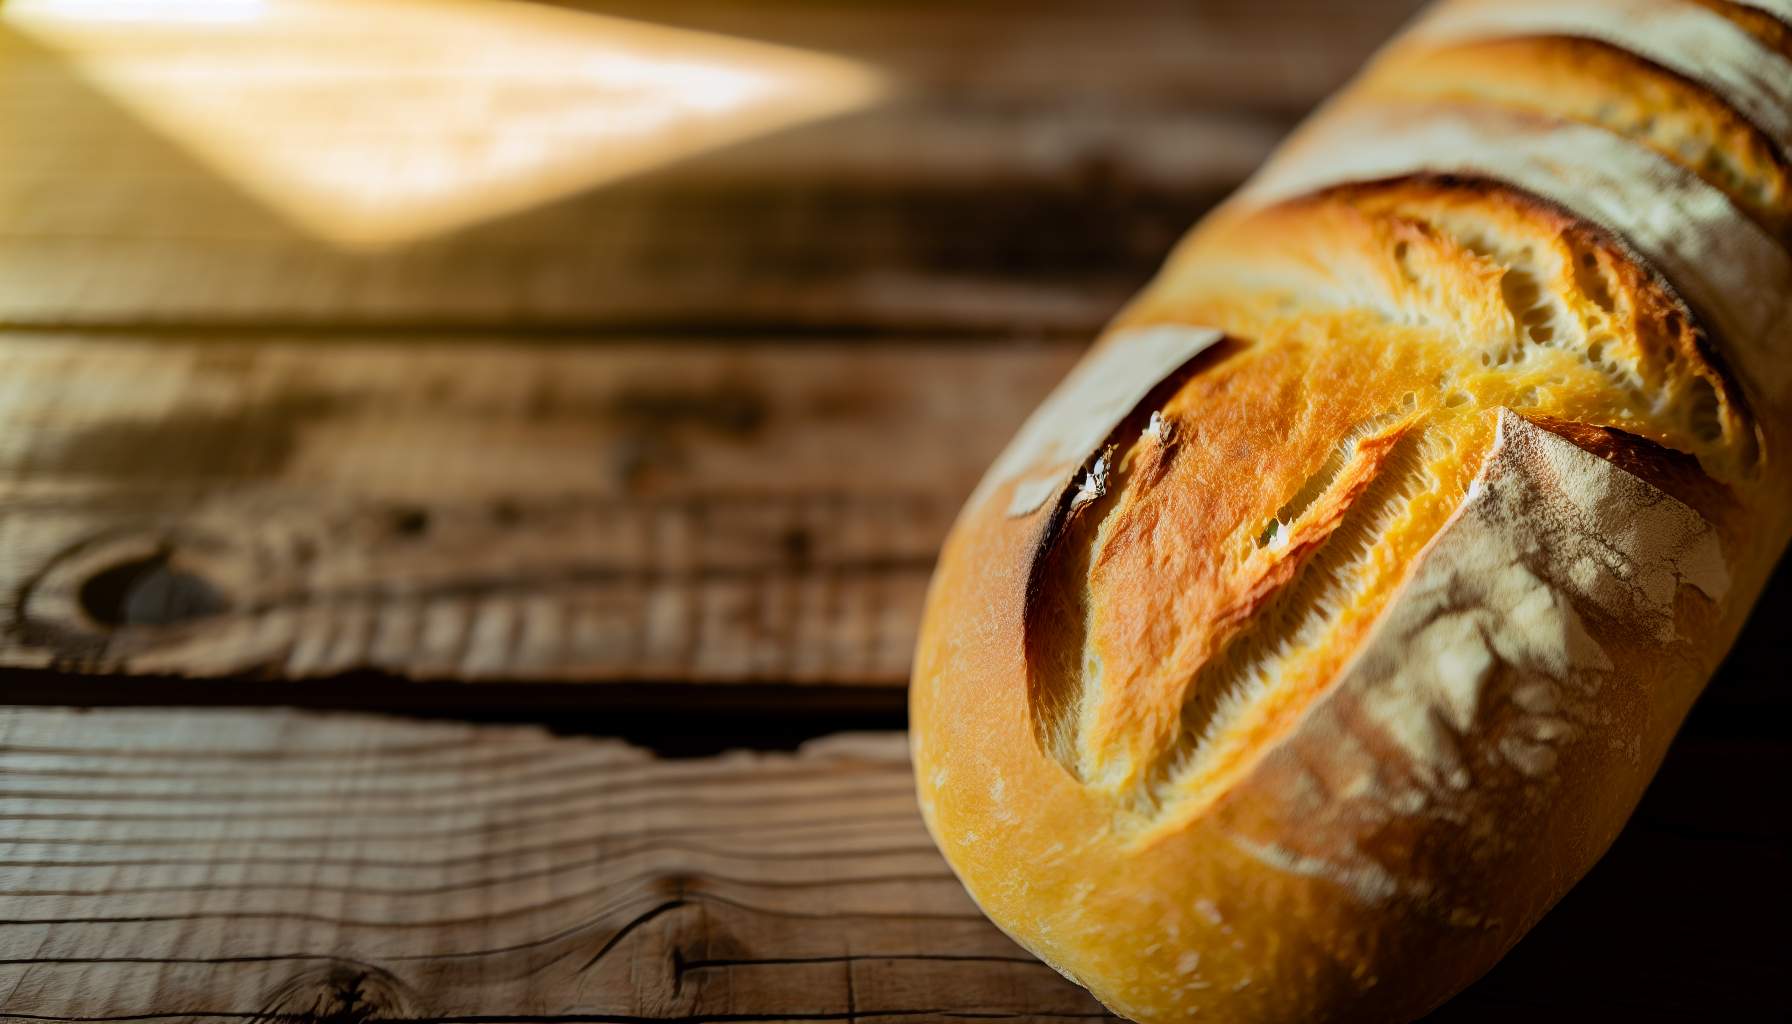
(693, 436)
(478, 508)
(516, 451)
(1030, 169)
(285, 866)
(481, 510)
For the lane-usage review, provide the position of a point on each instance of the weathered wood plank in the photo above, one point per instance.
(480, 509)
(1029, 166)
(273, 864)
(235, 865)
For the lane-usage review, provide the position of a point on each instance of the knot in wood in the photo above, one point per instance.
(339, 992)
(149, 591)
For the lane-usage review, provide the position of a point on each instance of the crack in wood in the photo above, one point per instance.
(579, 1018)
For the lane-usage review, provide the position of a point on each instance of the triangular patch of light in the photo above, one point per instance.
(380, 121)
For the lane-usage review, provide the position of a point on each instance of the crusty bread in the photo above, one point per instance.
(1327, 623)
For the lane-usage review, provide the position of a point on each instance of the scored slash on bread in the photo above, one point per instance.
(1328, 622)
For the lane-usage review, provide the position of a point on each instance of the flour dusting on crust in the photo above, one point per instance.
(1549, 534)
(1493, 621)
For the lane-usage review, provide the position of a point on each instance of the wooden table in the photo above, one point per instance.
(624, 501)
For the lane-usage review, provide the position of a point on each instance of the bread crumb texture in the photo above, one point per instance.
(1327, 623)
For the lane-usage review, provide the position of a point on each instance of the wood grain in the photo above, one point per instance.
(238, 865)
(1029, 169)
(637, 435)
(307, 868)
(481, 509)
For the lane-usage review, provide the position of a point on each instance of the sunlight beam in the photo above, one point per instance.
(378, 122)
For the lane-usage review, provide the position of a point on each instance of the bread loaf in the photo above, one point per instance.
(1328, 621)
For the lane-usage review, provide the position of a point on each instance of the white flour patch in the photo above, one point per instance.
(1551, 529)
(1368, 881)
(1485, 653)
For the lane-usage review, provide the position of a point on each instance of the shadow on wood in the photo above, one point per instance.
(326, 867)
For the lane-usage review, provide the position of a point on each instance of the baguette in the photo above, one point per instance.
(1328, 621)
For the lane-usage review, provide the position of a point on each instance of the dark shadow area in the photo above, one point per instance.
(1699, 875)
(673, 719)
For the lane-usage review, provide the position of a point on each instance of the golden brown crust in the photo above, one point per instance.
(1330, 662)
(1675, 473)
(1771, 31)
(1597, 83)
